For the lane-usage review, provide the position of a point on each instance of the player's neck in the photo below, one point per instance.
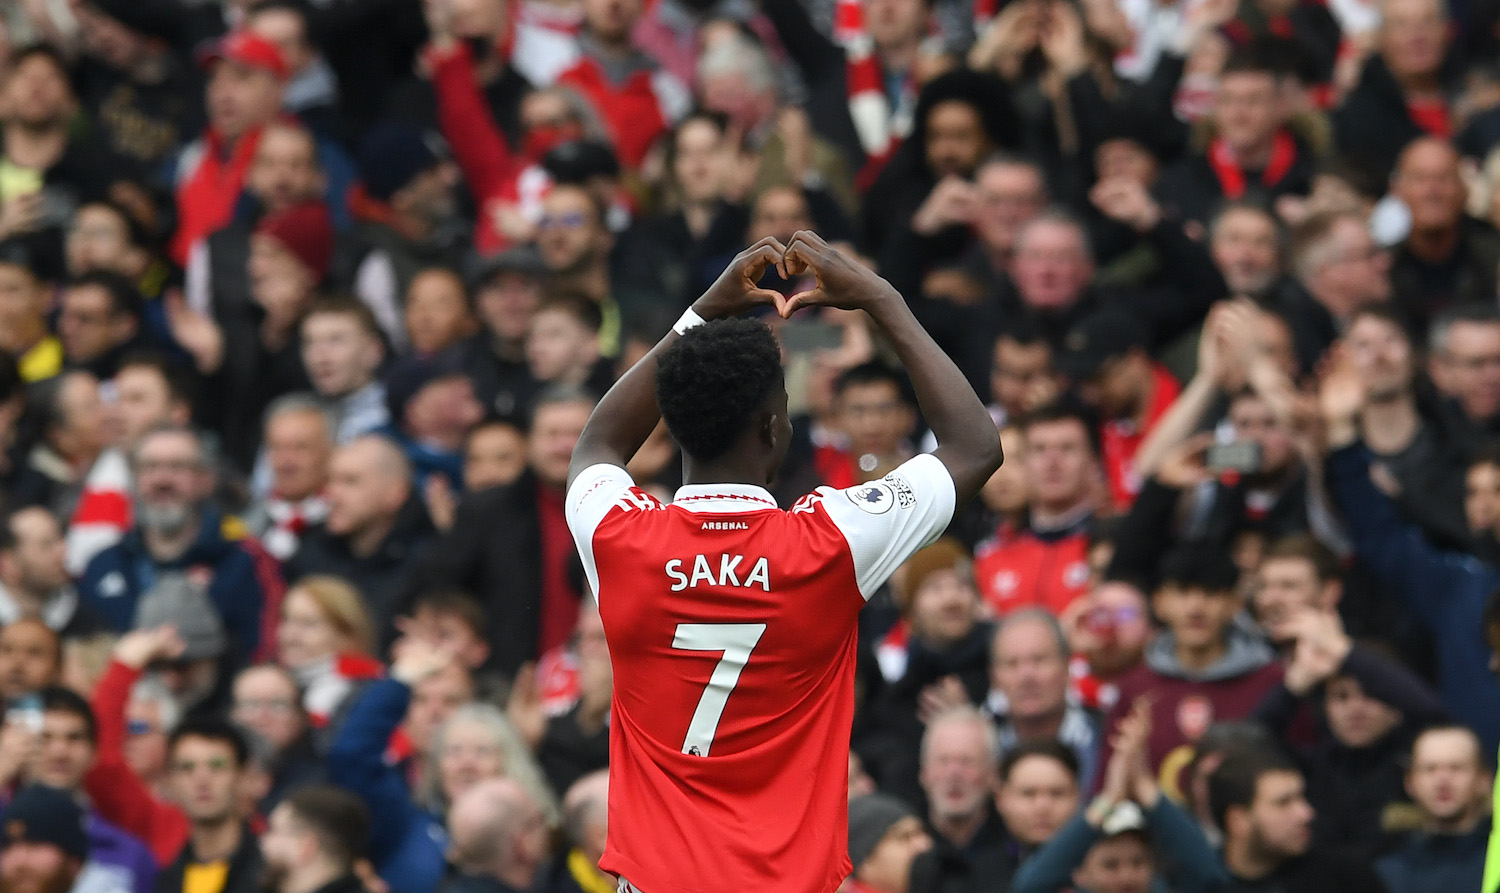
(729, 469)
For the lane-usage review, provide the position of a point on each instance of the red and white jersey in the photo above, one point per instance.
(732, 627)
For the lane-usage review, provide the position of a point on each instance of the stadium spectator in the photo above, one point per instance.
(30, 658)
(876, 415)
(1450, 785)
(885, 838)
(432, 406)
(325, 640)
(176, 528)
(499, 838)
(373, 530)
(267, 704)
(585, 815)
(1339, 268)
(314, 840)
(506, 290)
(341, 352)
(34, 581)
(1257, 799)
(1029, 689)
(1044, 563)
(437, 311)
(959, 776)
(299, 447)
(24, 333)
(1464, 364)
(100, 320)
(45, 845)
(70, 423)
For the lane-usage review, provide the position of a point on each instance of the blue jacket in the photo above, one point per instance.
(121, 853)
(240, 575)
(1195, 865)
(1445, 591)
(408, 844)
(1437, 863)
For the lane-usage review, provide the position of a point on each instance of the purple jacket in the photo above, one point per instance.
(121, 854)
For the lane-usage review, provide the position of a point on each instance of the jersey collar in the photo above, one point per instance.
(724, 498)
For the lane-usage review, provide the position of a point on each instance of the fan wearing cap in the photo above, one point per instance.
(43, 846)
(1206, 666)
(246, 75)
(885, 838)
(506, 289)
(1105, 358)
(407, 219)
(432, 407)
(290, 253)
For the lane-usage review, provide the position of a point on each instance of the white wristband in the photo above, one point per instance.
(688, 320)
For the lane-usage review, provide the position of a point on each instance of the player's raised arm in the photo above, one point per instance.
(628, 413)
(968, 442)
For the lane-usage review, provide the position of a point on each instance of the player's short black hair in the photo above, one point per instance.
(710, 382)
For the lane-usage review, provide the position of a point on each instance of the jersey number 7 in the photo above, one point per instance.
(736, 641)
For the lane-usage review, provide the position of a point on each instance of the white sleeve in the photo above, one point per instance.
(885, 521)
(595, 491)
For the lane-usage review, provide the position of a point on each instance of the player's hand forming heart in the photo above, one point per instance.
(738, 290)
(842, 281)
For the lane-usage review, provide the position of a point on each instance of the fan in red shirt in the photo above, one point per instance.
(731, 623)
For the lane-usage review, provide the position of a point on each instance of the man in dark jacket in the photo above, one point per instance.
(1450, 786)
(1254, 154)
(374, 528)
(1257, 799)
(207, 759)
(1448, 258)
(1402, 92)
(178, 530)
(499, 838)
(510, 545)
(313, 840)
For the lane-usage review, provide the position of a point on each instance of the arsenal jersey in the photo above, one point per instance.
(732, 630)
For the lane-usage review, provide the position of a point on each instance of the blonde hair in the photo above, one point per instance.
(344, 609)
(516, 760)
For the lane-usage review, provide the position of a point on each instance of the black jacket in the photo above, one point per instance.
(380, 577)
(1373, 125)
(493, 551)
(985, 864)
(245, 867)
(1316, 872)
(1423, 290)
(1191, 191)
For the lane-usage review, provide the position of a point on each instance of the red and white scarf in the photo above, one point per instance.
(289, 520)
(1232, 177)
(880, 127)
(103, 513)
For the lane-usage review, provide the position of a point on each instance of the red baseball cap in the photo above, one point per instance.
(247, 49)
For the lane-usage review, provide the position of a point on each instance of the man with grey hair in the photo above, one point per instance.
(1463, 351)
(299, 440)
(373, 529)
(178, 530)
(960, 757)
(737, 79)
(1029, 688)
(499, 839)
(1339, 268)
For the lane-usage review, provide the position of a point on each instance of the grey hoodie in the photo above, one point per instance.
(1247, 652)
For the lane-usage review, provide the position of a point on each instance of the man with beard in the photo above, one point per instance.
(312, 841)
(45, 849)
(178, 530)
(1257, 799)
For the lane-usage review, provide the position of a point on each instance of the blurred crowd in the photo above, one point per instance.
(304, 304)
